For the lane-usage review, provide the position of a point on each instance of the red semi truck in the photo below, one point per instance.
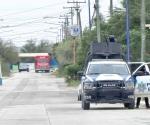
(42, 63)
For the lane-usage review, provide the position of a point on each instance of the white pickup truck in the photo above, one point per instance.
(141, 73)
(23, 67)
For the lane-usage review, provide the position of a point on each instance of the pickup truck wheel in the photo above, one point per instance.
(126, 105)
(79, 97)
(131, 105)
(85, 105)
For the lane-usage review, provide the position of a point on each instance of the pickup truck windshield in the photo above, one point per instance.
(108, 69)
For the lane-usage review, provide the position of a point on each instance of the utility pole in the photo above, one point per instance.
(98, 20)
(60, 34)
(56, 39)
(89, 8)
(66, 24)
(72, 13)
(77, 8)
(78, 12)
(62, 27)
(111, 7)
(142, 29)
(127, 31)
(74, 51)
(80, 24)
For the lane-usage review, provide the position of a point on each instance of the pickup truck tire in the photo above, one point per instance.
(126, 105)
(79, 97)
(27, 70)
(131, 105)
(85, 105)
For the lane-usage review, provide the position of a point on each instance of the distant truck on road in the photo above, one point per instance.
(42, 63)
(23, 67)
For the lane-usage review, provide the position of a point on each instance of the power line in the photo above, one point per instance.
(26, 11)
(17, 25)
(77, 8)
(31, 37)
(52, 23)
(25, 23)
(30, 32)
(6, 31)
(14, 40)
(14, 19)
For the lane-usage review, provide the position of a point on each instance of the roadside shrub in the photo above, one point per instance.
(73, 83)
(71, 72)
(61, 72)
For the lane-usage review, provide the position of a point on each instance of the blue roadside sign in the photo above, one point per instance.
(75, 30)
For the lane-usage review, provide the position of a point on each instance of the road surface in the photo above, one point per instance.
(42, 99)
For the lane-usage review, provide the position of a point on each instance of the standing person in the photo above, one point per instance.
(143, 73)
(146, 102)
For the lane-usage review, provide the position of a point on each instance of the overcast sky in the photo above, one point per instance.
(25, 18)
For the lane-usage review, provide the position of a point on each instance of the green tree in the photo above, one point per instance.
(8, 56)
(115, 25)
(29, 47)
(44, 46)
(8, 52)
(83, 46)
(32, 46)
(64, 52)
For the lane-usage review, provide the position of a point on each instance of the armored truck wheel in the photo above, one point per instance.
(85, 105)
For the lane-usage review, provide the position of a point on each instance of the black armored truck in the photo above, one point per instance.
(106, 77)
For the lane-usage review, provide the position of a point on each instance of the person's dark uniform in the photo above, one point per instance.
(145, 98)
(146, 102)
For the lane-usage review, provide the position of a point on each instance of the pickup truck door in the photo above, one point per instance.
(142, 81)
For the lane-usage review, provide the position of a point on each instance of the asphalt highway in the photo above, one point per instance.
(29, 98)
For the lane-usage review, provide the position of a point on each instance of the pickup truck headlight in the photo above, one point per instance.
(129, 84)
(88, 85)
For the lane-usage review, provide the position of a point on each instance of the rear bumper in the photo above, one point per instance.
(24, 69)
(109, 96)
(42, 69)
